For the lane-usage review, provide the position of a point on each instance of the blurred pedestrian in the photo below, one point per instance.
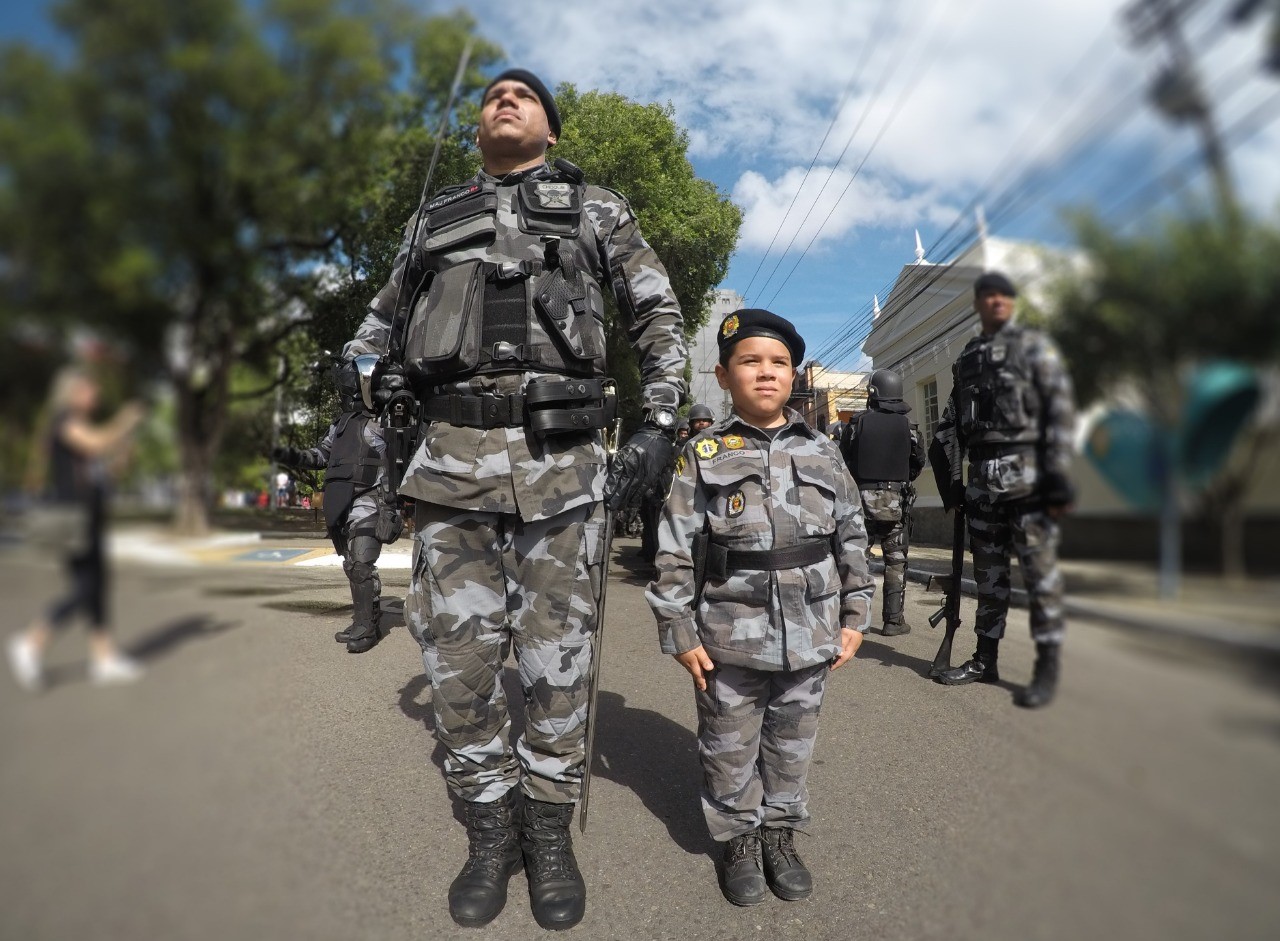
(282, 489)
(782, 599)
(78, 457)
(1011, 413)
(884, 453)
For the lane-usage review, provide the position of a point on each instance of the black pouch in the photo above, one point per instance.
(550, 208)
(444, 330)
(390, 523)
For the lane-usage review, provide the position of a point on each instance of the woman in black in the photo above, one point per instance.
(79, 456)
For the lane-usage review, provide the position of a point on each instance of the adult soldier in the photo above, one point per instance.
(701, 417)
(355, 498)
(505, 348)
(656, 496)
(1011, 412)
(884, 453)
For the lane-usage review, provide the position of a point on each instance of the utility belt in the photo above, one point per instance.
(988, 452)
(547, 407)
(881, 484)
(721, 561)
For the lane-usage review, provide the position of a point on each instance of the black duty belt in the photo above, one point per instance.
(987, 452)
(548, 408)
(881, 484)
(722, 561)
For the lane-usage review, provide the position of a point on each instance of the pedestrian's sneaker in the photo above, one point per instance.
(743, 874)
(115, 669)
(557, 893)
(24, 661)
(786, 872)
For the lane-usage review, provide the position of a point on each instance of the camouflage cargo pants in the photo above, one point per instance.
(995, 532)
(756, 730)
(882, 509)
(482, 584)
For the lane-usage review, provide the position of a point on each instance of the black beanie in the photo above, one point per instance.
(994, 281)
(544, 96)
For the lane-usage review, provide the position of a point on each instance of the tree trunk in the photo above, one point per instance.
(203, 399)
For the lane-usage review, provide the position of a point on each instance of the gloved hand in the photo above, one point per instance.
(955, 499)
(290, 457)
(639, 465)
(388, 384)
(1056, 490)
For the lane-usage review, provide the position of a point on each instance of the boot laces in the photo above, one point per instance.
(782, 841)
(742, 848)
(550, 846)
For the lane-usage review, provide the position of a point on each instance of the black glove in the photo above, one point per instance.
(388, 384)
(955, 500)
(291, 457)
(1056, 490)
(639, 465)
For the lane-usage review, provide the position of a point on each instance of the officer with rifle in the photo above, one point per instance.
(494, 319)
(1011, 414)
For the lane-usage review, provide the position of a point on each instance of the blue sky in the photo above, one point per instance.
(935, 104)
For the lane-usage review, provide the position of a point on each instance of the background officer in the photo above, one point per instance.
(506, 350)
(1011, 413)
(884, 453)
(355, 495)
(701, 417)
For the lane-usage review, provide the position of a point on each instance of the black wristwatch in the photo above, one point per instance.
(663, 418)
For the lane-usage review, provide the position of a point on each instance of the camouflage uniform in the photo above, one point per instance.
(509, 523)
(1004, 498)
(771, 635)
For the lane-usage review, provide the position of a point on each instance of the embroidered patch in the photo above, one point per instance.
(679, 464)
(996, 354)
(554, 195)
(737, 503)
(452, 197)
(730, 326)
(707, 448)
(733, 442)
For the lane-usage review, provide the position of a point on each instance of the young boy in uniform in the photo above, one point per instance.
(762, 589)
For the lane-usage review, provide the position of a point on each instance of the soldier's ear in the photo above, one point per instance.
(551, 139)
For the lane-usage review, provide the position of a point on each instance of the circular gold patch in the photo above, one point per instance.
(733, 442)
(707, 448)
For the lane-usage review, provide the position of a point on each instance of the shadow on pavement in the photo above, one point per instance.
(161, 640)
(657, 760)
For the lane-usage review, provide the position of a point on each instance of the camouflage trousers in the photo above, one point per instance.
(995, 532)
(882, 508)
(482, 584)
(756, 730)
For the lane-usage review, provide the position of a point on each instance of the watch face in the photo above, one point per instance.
(664, 418)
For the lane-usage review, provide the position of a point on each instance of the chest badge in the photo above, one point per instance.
(996, 354)
(707, 448)
(734, 442)
(554, 195)
(737, 503)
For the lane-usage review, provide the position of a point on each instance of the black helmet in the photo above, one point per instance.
(347, 382)
(701, 412)
(885, 386)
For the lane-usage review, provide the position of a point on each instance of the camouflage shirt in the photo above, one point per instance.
(755, 492)
(509, 470)
(1018, 472)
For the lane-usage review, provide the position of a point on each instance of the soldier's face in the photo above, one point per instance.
(994, 310)
(759, 378)
(699, 425)
(512, 122)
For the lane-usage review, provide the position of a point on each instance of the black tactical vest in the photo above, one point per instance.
(508, 282)
(878, 447)
(996, 397)
(352, 470)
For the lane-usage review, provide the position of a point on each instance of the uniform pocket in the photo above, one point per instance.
(735, 491)
(817, 492)
(444, 330)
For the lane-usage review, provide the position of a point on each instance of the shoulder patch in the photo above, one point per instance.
(679, 464)
(707, 448)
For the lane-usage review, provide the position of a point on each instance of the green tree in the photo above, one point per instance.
(1192, 290)
(197, 176)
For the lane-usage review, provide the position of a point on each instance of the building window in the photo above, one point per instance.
(929, 407)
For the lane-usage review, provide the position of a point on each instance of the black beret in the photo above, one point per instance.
(754, 322)
(544, 96)
(994, 281)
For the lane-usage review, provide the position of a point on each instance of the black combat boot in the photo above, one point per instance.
(894, 628)
(1044, 681)
(366, 626)
(556, 890)
(743, 875)
(787, 874)
(981, 669)
(479, 892)
(344, 635)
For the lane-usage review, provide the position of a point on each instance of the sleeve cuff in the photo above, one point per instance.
(678, 636)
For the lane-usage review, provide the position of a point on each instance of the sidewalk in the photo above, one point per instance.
(1244, 616)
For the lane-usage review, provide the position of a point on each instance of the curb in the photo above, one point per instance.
(1216, 633)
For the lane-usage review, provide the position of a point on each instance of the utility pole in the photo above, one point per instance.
(1177, 91)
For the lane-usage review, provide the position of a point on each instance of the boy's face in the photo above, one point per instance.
(759, 378)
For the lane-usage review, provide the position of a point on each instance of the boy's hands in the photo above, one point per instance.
(850, 641)
(698, 664)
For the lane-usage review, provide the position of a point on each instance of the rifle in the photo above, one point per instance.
(940, 462)
(612, 438)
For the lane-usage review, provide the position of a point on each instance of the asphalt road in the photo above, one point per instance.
(261, 783)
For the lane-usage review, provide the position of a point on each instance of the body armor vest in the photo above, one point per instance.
(996, 397)
(879, 447)
(507, 283)
(353, 467)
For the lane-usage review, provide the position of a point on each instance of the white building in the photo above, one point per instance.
(704, 353)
